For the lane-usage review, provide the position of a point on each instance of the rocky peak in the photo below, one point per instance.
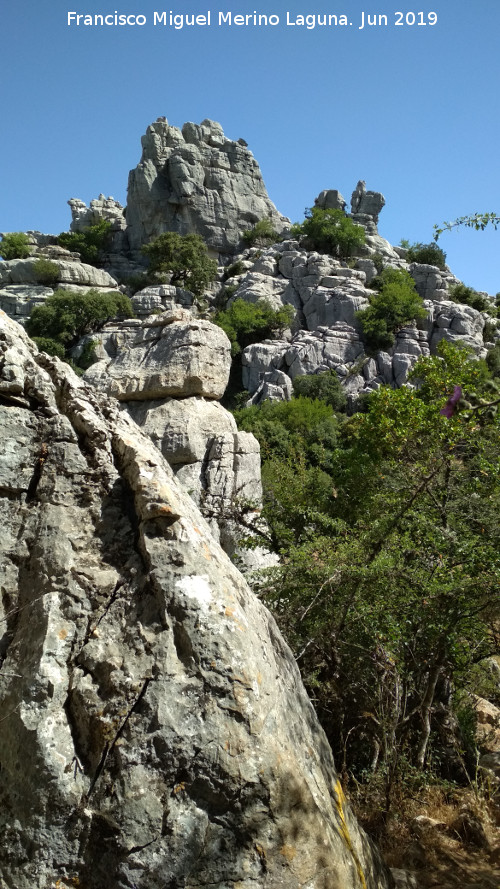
(196, 180)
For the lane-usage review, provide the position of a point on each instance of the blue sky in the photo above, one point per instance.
(413, 109)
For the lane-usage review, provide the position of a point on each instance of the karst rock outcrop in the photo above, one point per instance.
(196, 180)
(155, 732)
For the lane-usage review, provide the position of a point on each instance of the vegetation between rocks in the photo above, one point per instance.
(388, 529)
(329, 231)
(66, 316)
(15, 245)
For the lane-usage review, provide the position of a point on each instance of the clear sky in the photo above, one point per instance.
(411, 109)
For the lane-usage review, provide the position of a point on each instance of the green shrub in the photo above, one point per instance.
(329, 231)
(50, 346)
(378, 261)
(91, 242)
(323, 387)
(426, 254)
(246, 323)
(46, 272)
(262, 233)
(460, 293)
(391, 275)
(396, 305)
(183, 259)
(15, 245)
(302, 429)
(489, 331)
(66, 316)
(236, 268)
(493, 360)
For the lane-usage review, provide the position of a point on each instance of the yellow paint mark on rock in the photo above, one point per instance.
(288, 852)
(63, 633)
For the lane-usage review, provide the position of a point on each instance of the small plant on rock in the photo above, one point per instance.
(262, 233)
(46, 272)
(396, 305)
(425, 254)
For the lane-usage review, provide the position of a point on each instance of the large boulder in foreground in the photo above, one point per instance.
(155, 732)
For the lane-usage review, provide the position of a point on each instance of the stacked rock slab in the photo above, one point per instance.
(168, 372)
(154, 731)
(196, 180)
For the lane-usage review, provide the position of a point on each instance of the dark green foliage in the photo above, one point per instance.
(50, 346)
(14, 245)
(460, 293)
(247, 323)
(183, 259)
(91, 243)
(263, 233)
(236, 268)
(388, 584)
(378, 261)
(66, 315)
(490, 330)
(396, 305)
(87, 356)
(426, 254)
(329, 231)
(46, 272)
(493, 360)
(134, 283)
(323, 386)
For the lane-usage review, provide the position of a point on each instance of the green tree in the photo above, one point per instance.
(15, 245)
(329, 231)
(426, 254)
(66, 316)
(388, 584)
(395, 305)
(323, 386)
(183, 259)
(91, 242)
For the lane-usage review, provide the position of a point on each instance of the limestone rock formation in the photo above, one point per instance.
(168, 354)
(154, 731)
(23, 271)
(196, 180)
(100, 208)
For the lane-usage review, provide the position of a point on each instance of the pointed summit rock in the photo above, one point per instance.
(196, 180)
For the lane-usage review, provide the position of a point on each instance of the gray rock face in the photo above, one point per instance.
(18, 300)
(169, 354)
(196, 181)
(99, 209)
(22, 271)
(367, 203)
(154, 731)
(330, 199)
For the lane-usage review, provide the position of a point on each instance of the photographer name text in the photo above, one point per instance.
(227, 19)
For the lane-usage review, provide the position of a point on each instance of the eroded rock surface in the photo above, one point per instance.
(171, 354)
(154, 731)
(196, 180)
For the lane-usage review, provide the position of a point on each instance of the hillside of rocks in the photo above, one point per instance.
(155, 730)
